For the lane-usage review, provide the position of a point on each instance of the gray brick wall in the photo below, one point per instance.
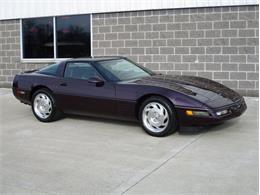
(10, 60)
(9, 50)
(216, 43)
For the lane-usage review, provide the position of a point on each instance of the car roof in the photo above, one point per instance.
(95, 59)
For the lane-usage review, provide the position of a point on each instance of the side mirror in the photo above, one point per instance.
(97, 81)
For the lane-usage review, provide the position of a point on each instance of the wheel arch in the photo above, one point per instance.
(141, 99)
(36, 88)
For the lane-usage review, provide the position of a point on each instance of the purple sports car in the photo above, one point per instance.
(118, 88)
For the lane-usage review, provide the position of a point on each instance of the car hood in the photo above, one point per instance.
(204, 90)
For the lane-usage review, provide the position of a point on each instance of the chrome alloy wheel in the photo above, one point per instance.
(42, 106)
(155, 117)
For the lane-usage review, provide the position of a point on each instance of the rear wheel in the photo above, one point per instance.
(158, 117)
(44, 107)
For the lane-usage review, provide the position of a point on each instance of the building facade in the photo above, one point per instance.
(217, 42)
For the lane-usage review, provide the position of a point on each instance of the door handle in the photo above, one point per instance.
(63, 84)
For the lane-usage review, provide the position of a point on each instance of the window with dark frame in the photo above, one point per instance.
(73, 38)
(38, 38)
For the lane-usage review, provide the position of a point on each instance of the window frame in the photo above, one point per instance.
(55, 58)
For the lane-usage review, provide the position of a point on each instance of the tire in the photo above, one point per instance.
(44, 107)
(158, 117)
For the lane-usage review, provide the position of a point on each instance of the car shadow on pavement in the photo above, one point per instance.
(206, 129)
(193, 130)
(104, 120)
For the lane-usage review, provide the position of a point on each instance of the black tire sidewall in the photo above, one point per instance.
(173, 123)
(48, 93)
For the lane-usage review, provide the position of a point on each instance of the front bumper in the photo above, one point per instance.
(234, 110)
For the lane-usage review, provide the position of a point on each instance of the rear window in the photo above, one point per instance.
(49, 70)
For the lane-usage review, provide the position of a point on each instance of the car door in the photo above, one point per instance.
(82, 90)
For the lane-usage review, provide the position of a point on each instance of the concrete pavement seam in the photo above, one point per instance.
(172, 156)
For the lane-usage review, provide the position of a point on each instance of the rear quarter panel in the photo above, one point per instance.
(30, 82)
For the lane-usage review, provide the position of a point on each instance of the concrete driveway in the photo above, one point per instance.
(82, 155)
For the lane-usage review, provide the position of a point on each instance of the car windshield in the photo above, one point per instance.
(121, 70)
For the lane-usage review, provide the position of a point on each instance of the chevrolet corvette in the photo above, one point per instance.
(116, 87)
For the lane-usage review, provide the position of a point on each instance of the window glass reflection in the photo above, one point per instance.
(73, 36)
(38, 38)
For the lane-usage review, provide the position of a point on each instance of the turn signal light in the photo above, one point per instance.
(189, 112)
(197, 113)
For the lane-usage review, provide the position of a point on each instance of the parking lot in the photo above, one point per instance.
(83, 155)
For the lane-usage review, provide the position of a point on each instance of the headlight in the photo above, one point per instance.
(220, 113)
(197, 113)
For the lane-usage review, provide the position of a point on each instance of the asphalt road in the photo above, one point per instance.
(82, 155)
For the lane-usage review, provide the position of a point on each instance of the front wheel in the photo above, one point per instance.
(43, 106)
(158, 117)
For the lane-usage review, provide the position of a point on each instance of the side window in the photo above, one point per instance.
(83, 71)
